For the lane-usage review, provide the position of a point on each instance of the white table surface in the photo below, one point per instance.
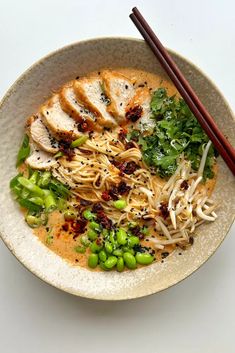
(198, 315)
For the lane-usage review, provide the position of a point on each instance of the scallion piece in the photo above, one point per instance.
(50, 203)
(119, 204)
(24, 151)
(37, 200)
(34, 177)
(31, 186)
(59, 155)
(33, 221)
(80, 141)
(44, 179)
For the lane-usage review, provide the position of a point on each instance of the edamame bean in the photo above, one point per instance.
(102, 256)
(108, 247)
(120, 264)
(95, 226)
(144, 258)
(93, 260)
(112, 236)
(132, 241)
(110, 262)
(84, 241)
(87, 214)
(103, 267)
(129, 260)
(92, 235)
(80, 249)
(95, 248)
(118, 252)
(126, 249)
(121, 236)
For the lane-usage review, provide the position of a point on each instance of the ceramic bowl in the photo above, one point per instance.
(23, 99)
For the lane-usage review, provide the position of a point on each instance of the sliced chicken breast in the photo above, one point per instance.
(140, 105)
(70, 104)
(41, 134)
(119, 89)
(57, 121)
(40, 159)
(89, 91)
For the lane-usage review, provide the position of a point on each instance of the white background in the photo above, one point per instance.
(198, 315)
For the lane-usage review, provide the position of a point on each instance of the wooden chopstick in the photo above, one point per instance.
(222, 145)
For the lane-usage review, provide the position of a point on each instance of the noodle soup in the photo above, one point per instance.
(116, 173)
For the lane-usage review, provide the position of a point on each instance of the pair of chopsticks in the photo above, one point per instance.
(221, 144)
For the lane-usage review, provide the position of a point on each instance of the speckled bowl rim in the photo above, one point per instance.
(55, 52)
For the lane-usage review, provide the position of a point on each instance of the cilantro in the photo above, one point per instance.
(177, 131)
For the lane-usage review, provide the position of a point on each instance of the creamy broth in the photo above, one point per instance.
(58, 236)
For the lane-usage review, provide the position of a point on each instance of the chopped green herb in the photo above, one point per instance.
(24, 151)
(177, 131)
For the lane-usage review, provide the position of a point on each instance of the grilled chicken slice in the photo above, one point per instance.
(57, 121)
(41, 135)
(119, 89)
(139, 112)
(70, 104)
(89, 92)
(40, 159)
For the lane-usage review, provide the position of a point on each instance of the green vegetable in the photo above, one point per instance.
(31, 186)
(144, 258)
(44, 179)
(121, 236)
(132, 241)
(25, 193)
(59, 189)
(110, 262)
(108, 247)
(129, 260)
(88, 215)
(92, 235)
(49, 239)
(80, 249)
(14, 181)
(126, 249)
(69, 215)
(59, 155)
(103, 267)
(177, 131)
(34, 177)
(119, 204)
(80, 141)
(33, 221)
(29, 205)
(93, 260)
(37, 200)
(85, 241)
(118, 252)
(95, 226)
(95, 248)
(61, 204)
(102, 256)
(120, 264)
(24, 151)
(50, 202)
